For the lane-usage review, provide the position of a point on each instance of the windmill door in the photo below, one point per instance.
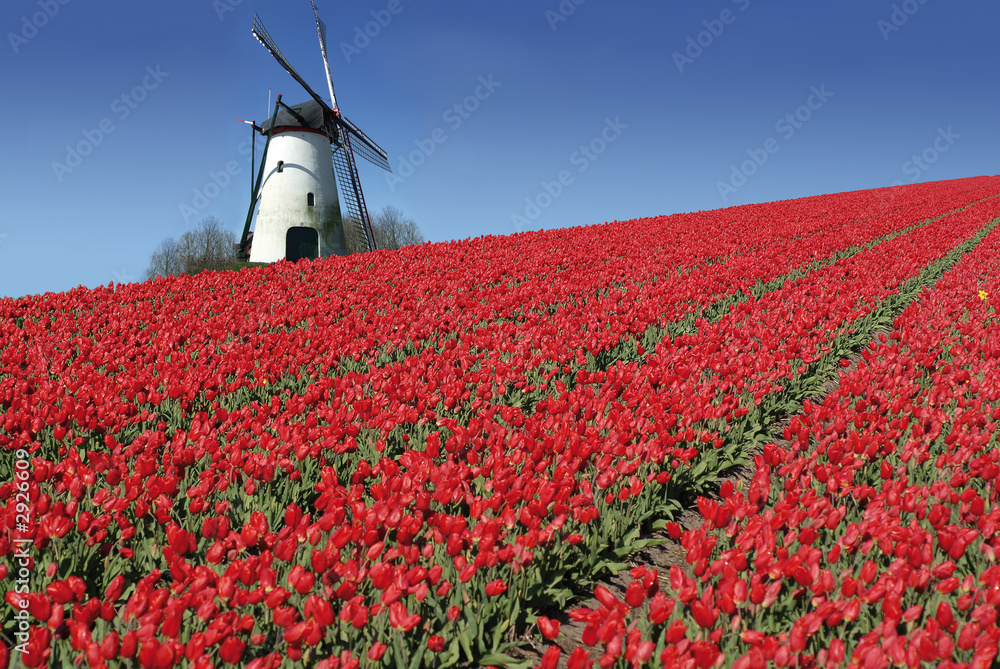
(301, 243)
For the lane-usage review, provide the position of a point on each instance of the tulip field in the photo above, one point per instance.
(432, 457)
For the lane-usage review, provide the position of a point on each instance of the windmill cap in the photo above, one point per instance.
(311, 111)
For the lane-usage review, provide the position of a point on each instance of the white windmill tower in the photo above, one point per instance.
(300, 215)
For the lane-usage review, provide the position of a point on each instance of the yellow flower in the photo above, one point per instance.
(983, 295)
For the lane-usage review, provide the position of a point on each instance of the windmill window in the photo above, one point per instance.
(311, 200)
(281, 165)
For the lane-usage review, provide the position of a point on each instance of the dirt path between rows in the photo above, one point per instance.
(663, 556)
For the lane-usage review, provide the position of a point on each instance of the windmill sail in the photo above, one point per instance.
(365, 147)
(260, 32)
(352, 198)
(321, 31)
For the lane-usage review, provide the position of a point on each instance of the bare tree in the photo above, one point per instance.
(166, 260)
(392, 230)
(209, 246)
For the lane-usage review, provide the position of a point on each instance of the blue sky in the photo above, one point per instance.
(587, 111)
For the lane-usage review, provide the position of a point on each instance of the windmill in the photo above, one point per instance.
(300, 215)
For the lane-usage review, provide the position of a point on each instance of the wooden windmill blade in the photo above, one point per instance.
(348, 139)
(260, 32)
(352, 197)
(361, 143)
(321, 31)
(365, 147)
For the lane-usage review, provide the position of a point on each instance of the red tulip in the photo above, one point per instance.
(944, 616)
(703, 615)
(60, 592)
(231, 650)
(548, 627)
(579, 660)
(494, 588)
(604, 596)
(635, 594)
(109, 646)
(376, 651)
(320, 610)
(114, 589)
(550, 659)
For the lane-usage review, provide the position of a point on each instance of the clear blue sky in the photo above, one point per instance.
(678, 123)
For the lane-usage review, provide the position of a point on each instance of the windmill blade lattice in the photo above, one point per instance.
(353, 205)
(365, 147)
(322, 30)
(260, 32)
